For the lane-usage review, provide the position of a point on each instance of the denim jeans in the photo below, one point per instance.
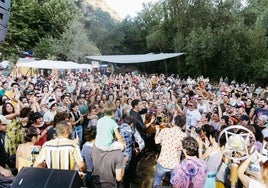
(79, 131)
(210, 180)
(159, 174)
(89, 182)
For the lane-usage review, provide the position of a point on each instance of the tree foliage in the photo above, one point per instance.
(74, 43)
(37, 25)
(219, 37)
(104, 31)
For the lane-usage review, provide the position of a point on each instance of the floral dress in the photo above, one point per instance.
(190, 173)
(13, 137)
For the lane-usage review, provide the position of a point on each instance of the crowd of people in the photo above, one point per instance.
(102, 126)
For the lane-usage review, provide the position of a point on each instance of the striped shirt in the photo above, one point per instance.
(60, 153)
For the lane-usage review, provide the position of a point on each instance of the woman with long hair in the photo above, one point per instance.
(12, 137)
(27, 151)
(92, 116)
(210, 151)
(45, 94)
(76, 120)
(9, 111)
(249, 108)
(224, 122)
(249, 182)
(36, 120)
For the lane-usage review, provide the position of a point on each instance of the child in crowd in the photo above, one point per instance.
(108, 136)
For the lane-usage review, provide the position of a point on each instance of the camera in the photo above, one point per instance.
(35, 151)
(197, 129)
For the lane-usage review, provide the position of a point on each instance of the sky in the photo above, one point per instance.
(127, 7)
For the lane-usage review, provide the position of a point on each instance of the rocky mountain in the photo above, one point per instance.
(103, 6)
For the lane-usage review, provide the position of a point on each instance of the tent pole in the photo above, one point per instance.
(28, 71)
(166, 68)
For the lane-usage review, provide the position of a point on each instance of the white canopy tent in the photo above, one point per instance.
(49, 64)
(32, 66)
(140, 58)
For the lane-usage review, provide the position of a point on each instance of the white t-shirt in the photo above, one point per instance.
(256, 184)
(48, 116)
(192, 117)
(202, 108)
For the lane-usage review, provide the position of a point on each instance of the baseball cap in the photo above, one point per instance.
(81, 97)
(51, 102)
(244, 117)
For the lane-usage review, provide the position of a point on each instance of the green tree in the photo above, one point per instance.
(134, 41)
(33, 20)
(74, 43)
(104, 31)
(23, 27)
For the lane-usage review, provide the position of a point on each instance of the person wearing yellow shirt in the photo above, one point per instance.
(14, 94)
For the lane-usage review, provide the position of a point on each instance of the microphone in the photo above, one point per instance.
(239, 144)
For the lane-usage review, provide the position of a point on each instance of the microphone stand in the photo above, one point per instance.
(234, 173)
(233, 142)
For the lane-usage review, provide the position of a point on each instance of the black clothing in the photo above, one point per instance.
(76, 116)
(138, 124)
(51, 133)
(149, 146)
(3, 154)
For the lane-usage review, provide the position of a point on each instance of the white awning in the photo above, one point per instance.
(49, 64)
(134, 58)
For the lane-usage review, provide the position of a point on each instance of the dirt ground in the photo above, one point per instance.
(146, 170)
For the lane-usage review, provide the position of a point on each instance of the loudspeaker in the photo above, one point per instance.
(4, 18)
(3, 32)
(47, 178)
(5, 4)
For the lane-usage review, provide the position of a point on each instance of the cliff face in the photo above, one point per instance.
(103, 6)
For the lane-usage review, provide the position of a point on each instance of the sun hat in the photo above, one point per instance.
(51, 102)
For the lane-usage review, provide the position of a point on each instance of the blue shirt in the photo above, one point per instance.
(126, 132)
(86, 153)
